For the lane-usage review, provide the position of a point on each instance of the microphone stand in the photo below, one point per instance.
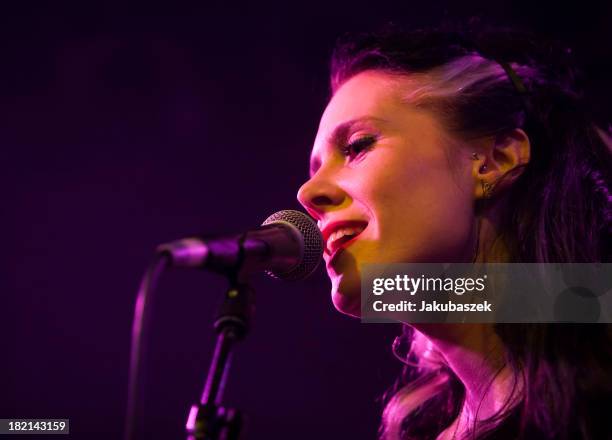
(209, 420)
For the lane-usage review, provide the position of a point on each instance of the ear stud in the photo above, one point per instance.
(483, 168)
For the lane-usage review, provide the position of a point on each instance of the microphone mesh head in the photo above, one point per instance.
(313, 243)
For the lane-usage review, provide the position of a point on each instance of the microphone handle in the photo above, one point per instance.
(273, 247)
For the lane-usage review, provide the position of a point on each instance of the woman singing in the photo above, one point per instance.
(435, 147)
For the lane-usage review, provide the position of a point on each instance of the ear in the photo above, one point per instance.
(501, 162)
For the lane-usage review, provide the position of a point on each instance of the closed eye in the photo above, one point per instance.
(358, 147)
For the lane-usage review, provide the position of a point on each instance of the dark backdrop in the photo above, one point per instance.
(122, 127)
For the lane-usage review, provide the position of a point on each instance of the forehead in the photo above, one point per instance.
(367, 94)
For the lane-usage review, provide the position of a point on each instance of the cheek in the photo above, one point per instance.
(424, 210)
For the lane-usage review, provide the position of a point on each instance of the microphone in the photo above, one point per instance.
(288, 245)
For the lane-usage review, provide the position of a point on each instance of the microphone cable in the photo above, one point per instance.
(140, 323)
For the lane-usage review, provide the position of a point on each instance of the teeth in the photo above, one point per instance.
(336, 235)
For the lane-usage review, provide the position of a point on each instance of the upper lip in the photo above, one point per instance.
(333, 226)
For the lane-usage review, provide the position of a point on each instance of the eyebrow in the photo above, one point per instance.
(339, 134)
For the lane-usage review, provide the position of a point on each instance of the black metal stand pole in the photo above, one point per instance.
(208, 420)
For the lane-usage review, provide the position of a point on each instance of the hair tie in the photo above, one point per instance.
(516, 80)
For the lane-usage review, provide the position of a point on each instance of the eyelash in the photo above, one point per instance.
(354, 149)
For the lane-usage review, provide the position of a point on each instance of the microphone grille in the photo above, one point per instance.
(313, 243)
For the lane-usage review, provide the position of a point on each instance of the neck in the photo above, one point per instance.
(474, 352)
(476, 356)
(490, 246)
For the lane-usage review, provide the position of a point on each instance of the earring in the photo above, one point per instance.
(487, 189)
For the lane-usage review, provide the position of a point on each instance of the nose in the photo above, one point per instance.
(319, 195)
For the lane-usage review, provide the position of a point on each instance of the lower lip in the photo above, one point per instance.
(335, 254)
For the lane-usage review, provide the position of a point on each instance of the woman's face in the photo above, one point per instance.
(386, 185)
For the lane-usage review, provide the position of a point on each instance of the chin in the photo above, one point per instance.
(346, 295)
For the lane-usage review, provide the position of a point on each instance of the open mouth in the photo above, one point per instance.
(342, 235)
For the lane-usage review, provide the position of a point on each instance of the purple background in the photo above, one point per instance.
(123, 127)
